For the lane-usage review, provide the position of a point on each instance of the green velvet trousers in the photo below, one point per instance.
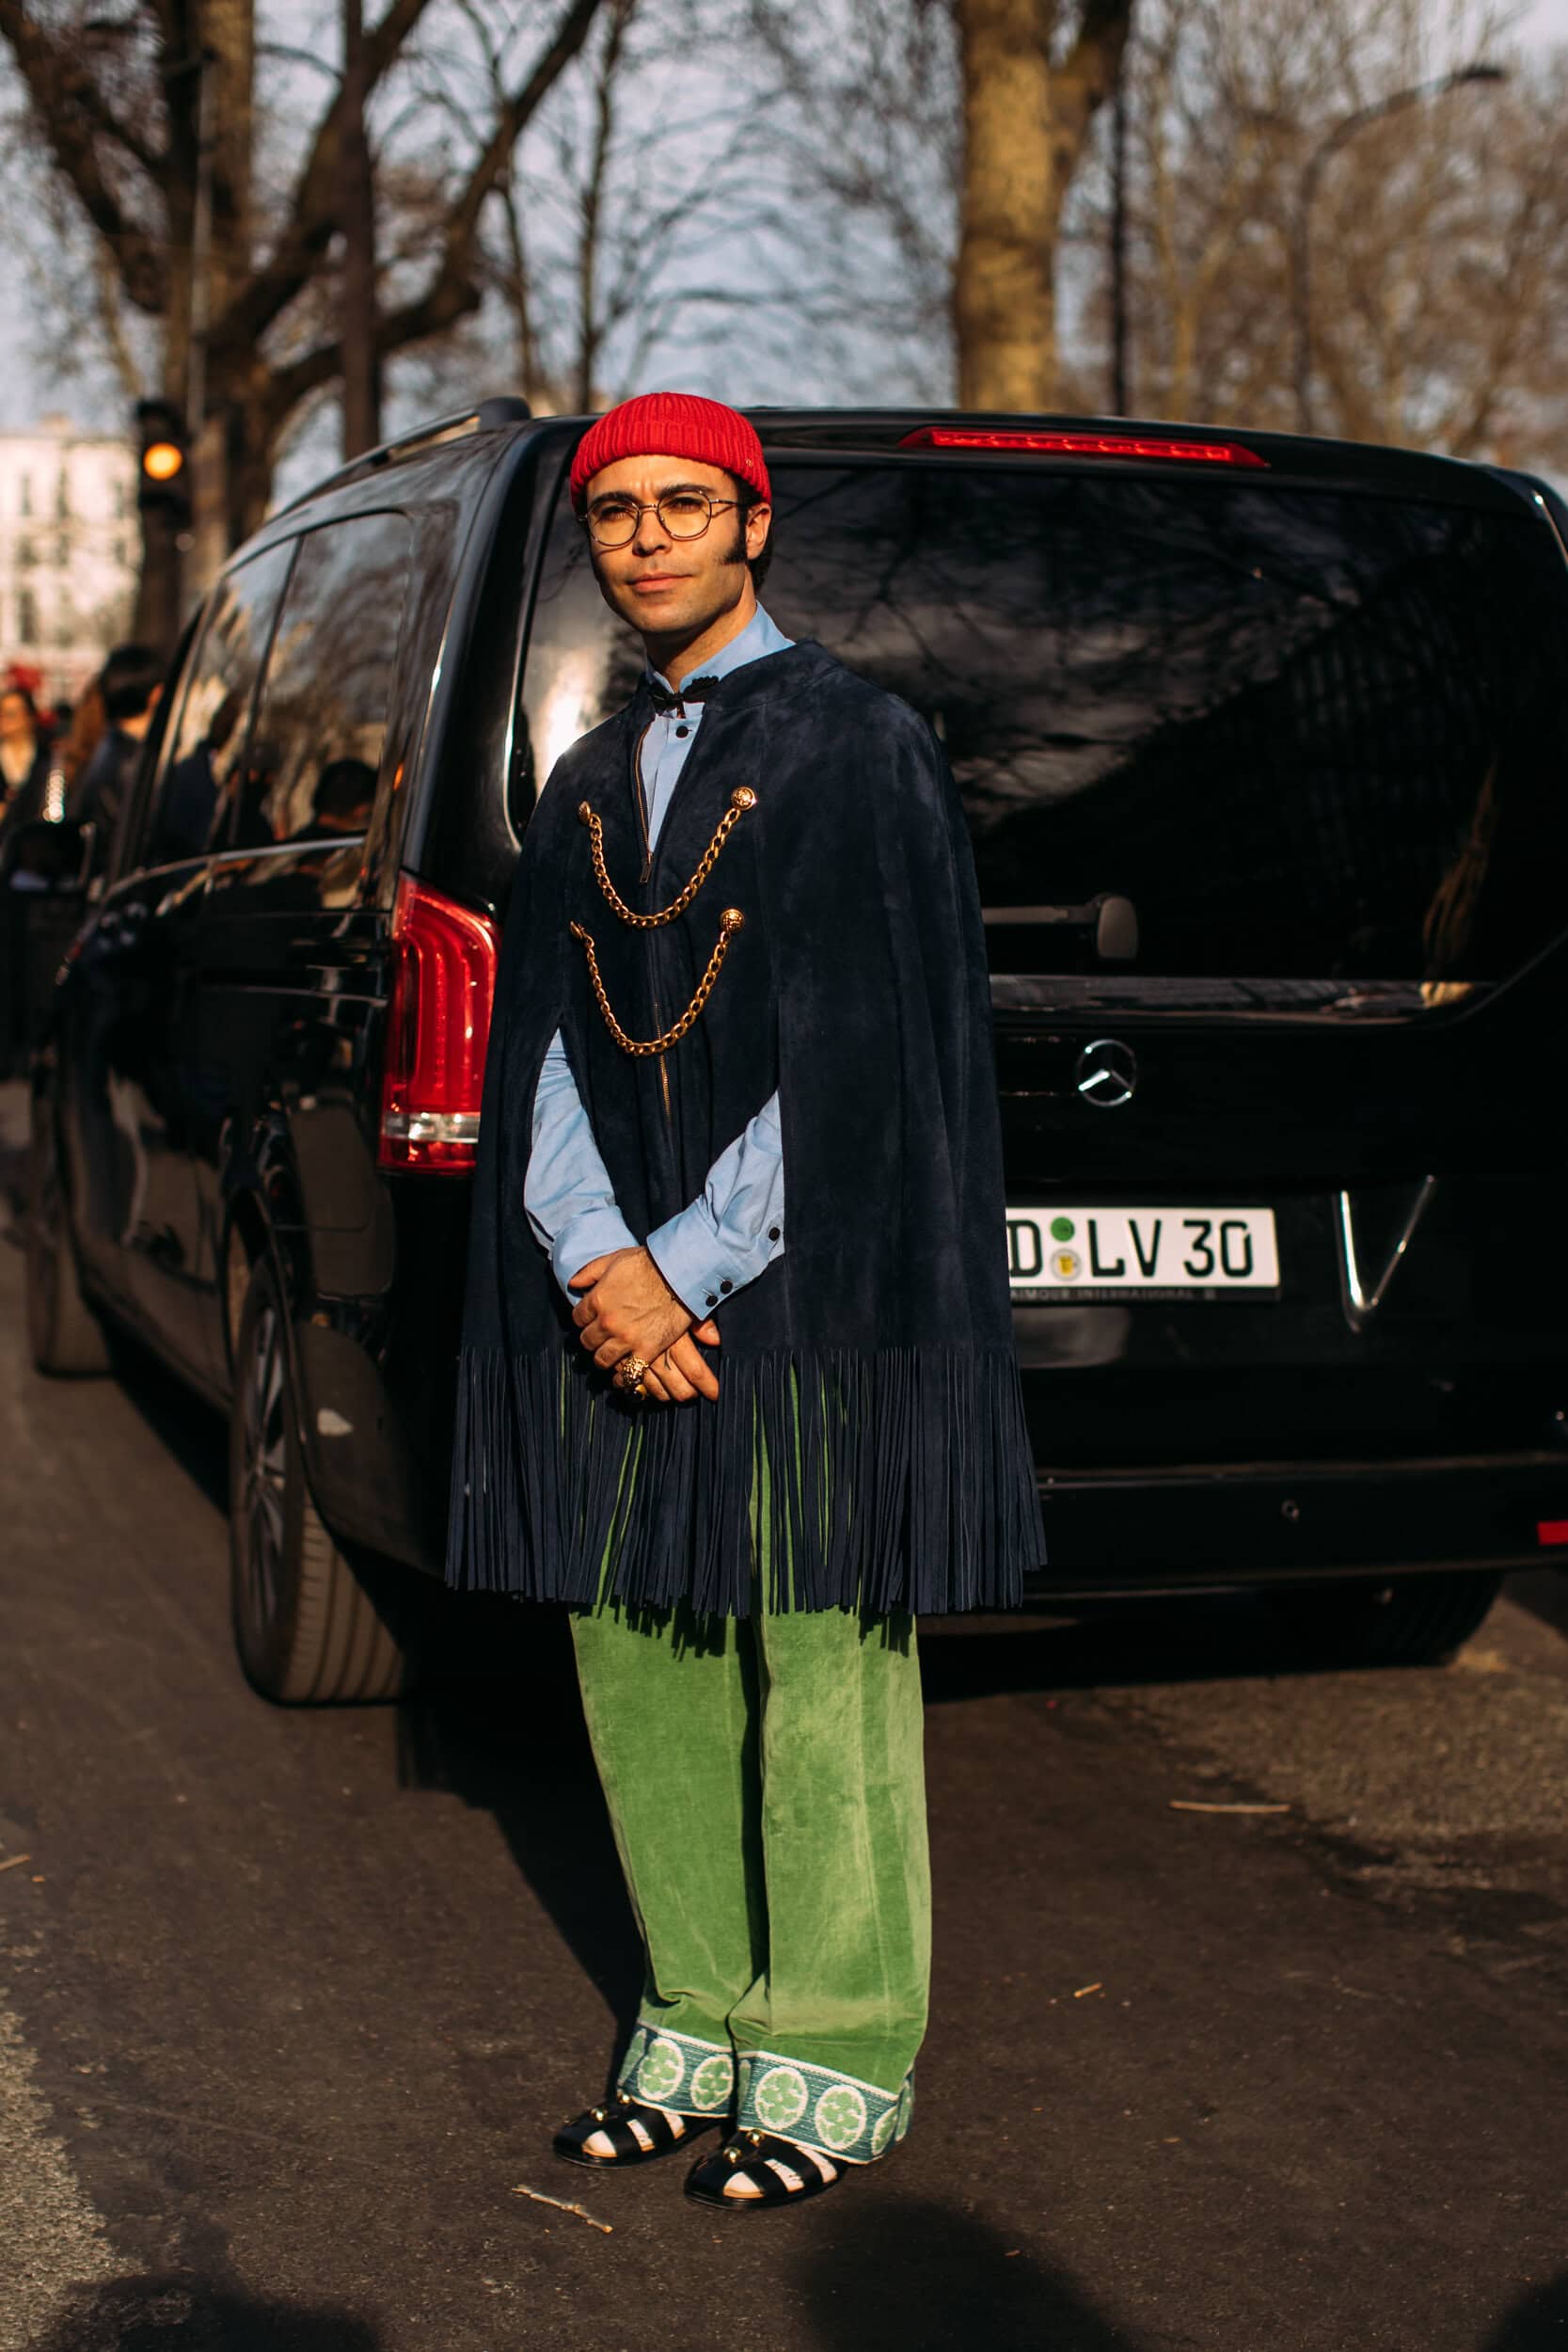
(766, 1784)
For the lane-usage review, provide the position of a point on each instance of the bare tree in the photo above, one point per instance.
(149, 124)
(1436, 229)
(1032, 87)
(940, 138)
(594, 269)
(862, 100)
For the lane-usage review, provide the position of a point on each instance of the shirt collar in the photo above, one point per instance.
(760, 636)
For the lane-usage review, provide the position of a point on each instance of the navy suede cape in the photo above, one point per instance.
(869, 1400)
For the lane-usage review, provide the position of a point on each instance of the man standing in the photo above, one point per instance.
(744, 954)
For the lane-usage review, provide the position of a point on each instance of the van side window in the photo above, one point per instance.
(195, 793)
(126, 853)
(321, 720)
(582, 662)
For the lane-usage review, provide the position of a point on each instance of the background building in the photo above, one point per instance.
(69, 548)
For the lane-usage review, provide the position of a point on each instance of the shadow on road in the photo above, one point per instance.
(1545, 1593)
(919, 2274)
(497, 1722)
(1106, 1644)
(1539, 2323)
(133, 2314)
(513, 1743)
(186, 1425)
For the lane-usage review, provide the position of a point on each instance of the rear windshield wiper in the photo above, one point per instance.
(1113, 919)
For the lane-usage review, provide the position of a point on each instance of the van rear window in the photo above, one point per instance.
(1307, 735)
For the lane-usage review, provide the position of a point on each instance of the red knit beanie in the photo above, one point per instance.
(671, 424)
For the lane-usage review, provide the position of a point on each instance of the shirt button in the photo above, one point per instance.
(773, 1233)
(713, 1298)
(683, 730)
(726, 1288)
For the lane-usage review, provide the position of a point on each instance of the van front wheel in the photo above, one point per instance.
(1408, 1621)
(306, 1627)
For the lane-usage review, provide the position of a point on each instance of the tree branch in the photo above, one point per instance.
(312, 214)
(433, 314)
(514, 116)
(313, 211)
(71, 113)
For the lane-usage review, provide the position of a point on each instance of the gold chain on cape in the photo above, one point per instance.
(729, 923)
(741, 798)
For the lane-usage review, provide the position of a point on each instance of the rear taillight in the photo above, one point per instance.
(1042, 444)
(437, 1028)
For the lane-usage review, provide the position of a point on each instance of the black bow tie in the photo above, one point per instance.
(696, 689)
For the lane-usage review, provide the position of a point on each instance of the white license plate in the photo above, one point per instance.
(1058, 1254)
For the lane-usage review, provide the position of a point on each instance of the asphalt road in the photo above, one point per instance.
(291, 2003)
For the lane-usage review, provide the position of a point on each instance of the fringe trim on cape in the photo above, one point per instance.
(898, 1481)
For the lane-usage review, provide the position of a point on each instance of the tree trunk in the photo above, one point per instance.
(227, 32)
(228, 29)
(1025, 121)
(361, 366)
(158, 614)
(1004, 288)
(254, 431)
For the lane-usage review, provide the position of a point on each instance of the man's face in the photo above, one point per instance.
(15, 719)
(665, 585)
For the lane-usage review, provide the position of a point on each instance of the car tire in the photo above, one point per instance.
(1408, 1621)
(311, 1628)
(63, 1333)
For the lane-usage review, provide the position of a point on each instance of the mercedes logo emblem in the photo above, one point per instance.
(1107, 1073)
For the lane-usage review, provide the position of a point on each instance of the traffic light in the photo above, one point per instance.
(164, 472)
(163, 512)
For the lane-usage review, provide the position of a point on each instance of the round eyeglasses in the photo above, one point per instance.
(683, 514)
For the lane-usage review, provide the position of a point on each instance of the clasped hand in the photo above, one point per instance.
(629, 1308)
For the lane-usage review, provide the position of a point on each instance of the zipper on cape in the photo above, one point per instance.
(640, 796)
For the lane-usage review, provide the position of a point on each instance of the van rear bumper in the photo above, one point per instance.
(1212, 1528)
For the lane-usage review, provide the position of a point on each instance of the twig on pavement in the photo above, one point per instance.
(561, 2206)
(1195, 1804)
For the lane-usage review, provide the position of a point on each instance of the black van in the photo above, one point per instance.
(1264, 744)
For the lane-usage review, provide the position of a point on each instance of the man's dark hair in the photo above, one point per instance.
(129, 679)
(745, 498)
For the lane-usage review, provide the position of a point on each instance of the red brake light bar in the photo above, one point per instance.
(437, 1028)
(1040, 444)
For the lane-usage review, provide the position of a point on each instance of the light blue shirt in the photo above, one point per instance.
(734, 1230)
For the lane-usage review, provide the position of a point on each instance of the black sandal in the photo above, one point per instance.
(780, 2171)
(637, 2133)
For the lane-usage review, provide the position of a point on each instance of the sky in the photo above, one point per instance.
(26, 392)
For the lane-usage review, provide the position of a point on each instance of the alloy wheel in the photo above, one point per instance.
(263, 1474)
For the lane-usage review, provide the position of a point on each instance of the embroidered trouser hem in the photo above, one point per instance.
(764, 1784)
(765, 2091)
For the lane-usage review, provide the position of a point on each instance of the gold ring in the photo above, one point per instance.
(629, 1374)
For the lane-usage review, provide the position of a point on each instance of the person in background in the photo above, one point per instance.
(190, 819)
(23, 783)
(24, 760)
(131, 681)
(76, 745)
